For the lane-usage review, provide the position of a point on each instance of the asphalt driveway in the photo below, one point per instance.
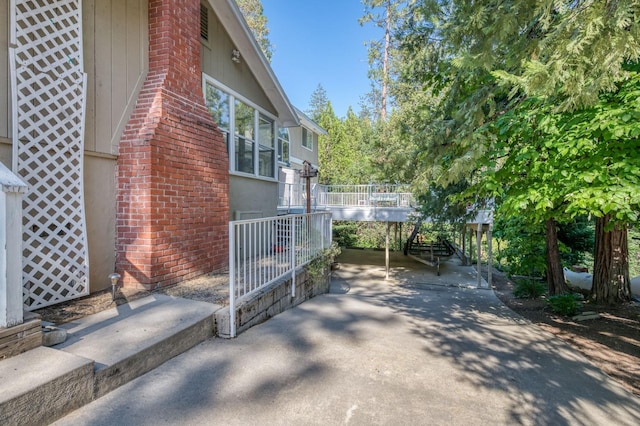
(415, 350)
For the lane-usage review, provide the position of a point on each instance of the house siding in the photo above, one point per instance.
(115, 41)
(252, 195)
(5, 105)
(300, 152)
(115, 49)
(248, 197)
(216, 62)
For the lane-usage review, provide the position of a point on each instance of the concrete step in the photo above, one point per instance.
(102, 352)
(43, 384)
(132, 339)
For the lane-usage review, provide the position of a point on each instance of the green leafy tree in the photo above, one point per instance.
(254, 15)
(506, 73)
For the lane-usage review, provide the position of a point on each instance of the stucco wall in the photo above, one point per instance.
(300, 152)
(252, 195)
(100, 205)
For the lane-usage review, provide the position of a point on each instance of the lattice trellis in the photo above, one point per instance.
(49, 93)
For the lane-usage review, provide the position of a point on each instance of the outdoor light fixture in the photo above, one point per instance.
(235, 56)
(114, 284)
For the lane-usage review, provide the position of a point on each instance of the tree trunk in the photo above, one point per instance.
(555, 274)
(385, 62)
(611, 283)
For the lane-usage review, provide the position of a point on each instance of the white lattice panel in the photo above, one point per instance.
(48, 92)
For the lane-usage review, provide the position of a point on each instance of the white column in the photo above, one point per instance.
(386, 251)
(11, 190)
(479, 252)
(489, 254)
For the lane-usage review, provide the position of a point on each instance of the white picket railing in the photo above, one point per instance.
(326, 196)
(262, 251)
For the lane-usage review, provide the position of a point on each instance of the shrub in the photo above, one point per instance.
(564, 304)
(528, 289)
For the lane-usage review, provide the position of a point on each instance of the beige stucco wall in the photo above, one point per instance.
(100, 208)
(252, 195)
(5, 152)
(300, 152)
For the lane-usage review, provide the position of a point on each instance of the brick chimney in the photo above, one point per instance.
(172, 169)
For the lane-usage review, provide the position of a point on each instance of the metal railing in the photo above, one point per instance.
(294, 195)
(262, 251)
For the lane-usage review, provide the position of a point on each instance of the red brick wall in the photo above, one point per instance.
(173, 181)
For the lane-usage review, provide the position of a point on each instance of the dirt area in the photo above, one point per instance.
(611, 342)
(212, 288)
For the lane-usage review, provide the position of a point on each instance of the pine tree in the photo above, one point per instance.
(533, 102)
(254, 15)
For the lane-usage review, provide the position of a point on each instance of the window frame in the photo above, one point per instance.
(310, 134)
(259, 112)
(281, 144)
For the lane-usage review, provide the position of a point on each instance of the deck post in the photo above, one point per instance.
(489, 254)
(479, 252)
(463, 236)
(386, 251)
(11, 193)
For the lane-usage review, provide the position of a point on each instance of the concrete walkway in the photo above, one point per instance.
(397, 352)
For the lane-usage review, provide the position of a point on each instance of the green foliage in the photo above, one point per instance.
(578, 240)
(317, 104)
(442, 204)
(564, 304)
(257, 22)
(524, 253)
(345, 234)
(318, 268)
(345, 152)
(369, 235)
(529, 289)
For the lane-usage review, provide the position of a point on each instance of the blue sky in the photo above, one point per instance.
(320, 42)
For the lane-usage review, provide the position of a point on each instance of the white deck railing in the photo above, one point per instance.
(262, 251)
(294, 195)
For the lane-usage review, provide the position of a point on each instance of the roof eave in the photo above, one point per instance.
(239, 32)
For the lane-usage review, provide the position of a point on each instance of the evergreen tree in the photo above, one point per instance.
(254, 15)
(508, 75)
(318, 103)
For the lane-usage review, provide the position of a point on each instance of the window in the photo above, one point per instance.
(307, 139)
(250, 134)
(283, 145)
(266, 146)
(218, 103)
(244, 137)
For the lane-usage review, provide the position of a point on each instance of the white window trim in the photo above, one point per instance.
(278, 152)
(233, 95)
(309, 131)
